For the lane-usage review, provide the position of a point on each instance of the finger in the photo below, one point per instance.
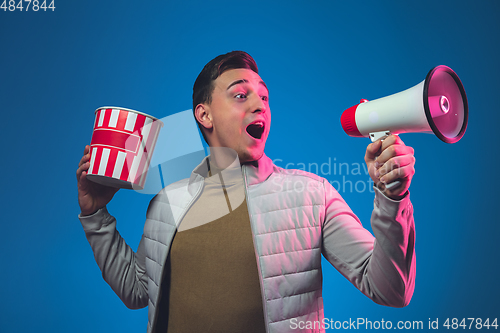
(393, 151)
(405, 172)
(372, 150)
(83, 185)
(83, 175)
(85, 158)
(392, 139)
(394, 163)
(86, 154)
(82, 168)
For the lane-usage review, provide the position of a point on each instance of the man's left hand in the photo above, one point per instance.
(390, 160)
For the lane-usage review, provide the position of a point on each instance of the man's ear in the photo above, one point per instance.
(203, 115)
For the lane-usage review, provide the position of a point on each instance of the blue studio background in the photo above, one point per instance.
(317, 58)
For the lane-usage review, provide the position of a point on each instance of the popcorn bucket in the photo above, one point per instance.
(121, 147)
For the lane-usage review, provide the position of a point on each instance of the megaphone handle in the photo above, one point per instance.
(382, 135)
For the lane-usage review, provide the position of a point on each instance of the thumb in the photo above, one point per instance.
(372, 150)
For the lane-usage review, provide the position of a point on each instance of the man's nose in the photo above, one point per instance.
(259, 105)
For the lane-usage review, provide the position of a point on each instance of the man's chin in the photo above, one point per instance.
(250, 156)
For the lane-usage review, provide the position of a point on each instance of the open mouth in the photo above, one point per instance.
(256, 129)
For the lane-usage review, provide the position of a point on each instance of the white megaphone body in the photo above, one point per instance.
(436, 105)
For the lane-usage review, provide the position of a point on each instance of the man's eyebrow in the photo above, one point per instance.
(237, 82)
(262, 82)
(244, 81)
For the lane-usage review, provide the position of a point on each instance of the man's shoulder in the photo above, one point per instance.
(183, 183)
(297, 174)
(169, 204)
(171, 191)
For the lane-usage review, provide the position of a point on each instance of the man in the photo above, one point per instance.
(256, 267)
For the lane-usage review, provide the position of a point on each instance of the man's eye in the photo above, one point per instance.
(240, 96)
(265, 98)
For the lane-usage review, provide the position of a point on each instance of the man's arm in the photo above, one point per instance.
(122, 269)
(382, 268)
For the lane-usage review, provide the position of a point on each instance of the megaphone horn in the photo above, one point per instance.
(436, 105)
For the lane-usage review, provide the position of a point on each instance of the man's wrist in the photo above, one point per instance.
(395, 197)
(87, 213)
(383, 191)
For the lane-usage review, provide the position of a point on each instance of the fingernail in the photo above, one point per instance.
(383, 180)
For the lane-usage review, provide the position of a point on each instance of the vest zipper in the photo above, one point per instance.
(261, 281)
(153, 325)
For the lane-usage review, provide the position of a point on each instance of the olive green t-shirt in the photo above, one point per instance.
(211, 279)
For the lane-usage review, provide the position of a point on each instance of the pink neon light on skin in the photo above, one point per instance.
(240, 98)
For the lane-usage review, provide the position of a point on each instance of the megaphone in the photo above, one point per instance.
(436, 105)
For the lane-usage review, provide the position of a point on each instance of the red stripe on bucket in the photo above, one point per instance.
(111, 163)
(107, 115)
(139, 123)
(111, 138)
(97, 160)
(126, 167)
(122, 119)
(150, 148)
(145, 148)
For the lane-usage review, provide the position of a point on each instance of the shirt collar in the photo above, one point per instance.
(255, 172)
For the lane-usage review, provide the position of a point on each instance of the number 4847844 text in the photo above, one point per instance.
(26, 5)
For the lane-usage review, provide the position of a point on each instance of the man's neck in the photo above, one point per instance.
(223, 158)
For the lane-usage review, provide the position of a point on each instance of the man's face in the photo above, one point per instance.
(240, 113)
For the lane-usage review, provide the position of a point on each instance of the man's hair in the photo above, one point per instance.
(204, 85)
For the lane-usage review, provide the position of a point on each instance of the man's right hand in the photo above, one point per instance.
(91, 196)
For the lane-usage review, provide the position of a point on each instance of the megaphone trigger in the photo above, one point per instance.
(374, 136)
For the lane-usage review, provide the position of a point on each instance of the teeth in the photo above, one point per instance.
(259, 123)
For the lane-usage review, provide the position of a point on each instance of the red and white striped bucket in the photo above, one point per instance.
(122, 146)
